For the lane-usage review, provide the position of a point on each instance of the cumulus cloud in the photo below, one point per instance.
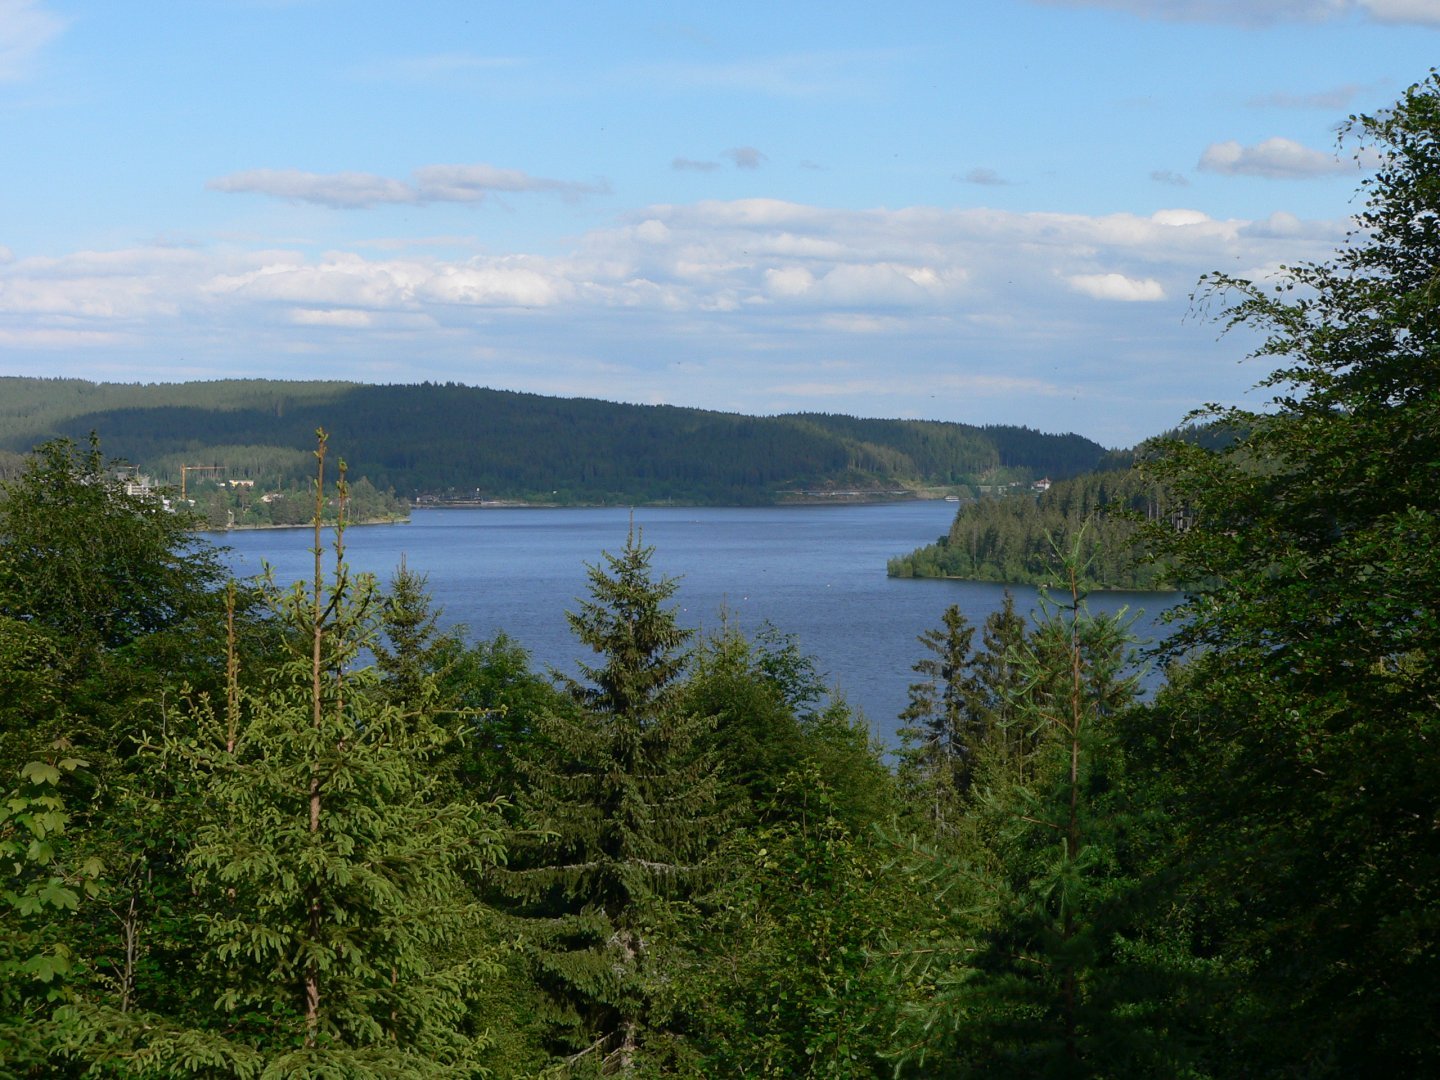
(758, 295)
(789, 281)
(984, 177)
(1167, 176)
(1277, 158)
(745, 157)
(1181, 217)
(496, 283)
(1117, 287)
(343, 317)
(429, 183)
(26, 27)
(653, 232)
(682, 164)
(1268, 12)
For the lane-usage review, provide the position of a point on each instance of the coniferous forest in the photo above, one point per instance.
(276, 830)
(446, 443)
(1014, 539)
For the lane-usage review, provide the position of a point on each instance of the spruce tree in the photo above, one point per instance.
(621, 801)
(1028, 974)
(1001, 676)
(411, 652)
(943, 728)
(963, 707)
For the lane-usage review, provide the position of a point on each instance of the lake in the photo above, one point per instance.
(817, 572)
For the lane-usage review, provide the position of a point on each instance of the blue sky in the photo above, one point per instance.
(992, 212)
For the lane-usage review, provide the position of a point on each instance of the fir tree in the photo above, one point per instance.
(412, 651)
(622, 802)
(1000, 674)
(943, 728)
(962, 707)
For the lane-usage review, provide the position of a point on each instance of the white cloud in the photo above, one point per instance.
(1179, 217)
(653, 232)
(341, 317)
(496, 284)
(755, 295)
(882, 284)
(343, 190)
(25, 28)
(1117, 287)
(432, 183)
(1276, 158)
(682, 164)
(469, 183)
(1167, 176)
(789, 281)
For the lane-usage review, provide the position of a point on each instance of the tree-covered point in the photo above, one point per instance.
(468, 443)
(1013, 539)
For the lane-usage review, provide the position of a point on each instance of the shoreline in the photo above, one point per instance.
(1051, 586)
(847, 498)
(301, 525)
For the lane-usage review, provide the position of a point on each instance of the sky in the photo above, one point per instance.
(994, 211)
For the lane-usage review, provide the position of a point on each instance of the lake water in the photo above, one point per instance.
(817, 572)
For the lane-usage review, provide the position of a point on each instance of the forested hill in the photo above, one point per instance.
(460, 442)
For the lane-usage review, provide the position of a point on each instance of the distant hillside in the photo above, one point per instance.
(458, 442)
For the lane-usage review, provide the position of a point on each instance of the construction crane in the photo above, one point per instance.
(187, 469)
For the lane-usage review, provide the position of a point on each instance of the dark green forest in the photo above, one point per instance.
(259, 830)
(1015, 538)
(452, 442)
(1014, 534)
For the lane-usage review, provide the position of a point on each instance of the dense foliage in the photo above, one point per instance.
(1306, 737)
(268, 832)
(459, 442)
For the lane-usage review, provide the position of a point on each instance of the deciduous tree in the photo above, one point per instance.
(1302, 748)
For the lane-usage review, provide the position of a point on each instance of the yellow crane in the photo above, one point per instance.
(185, 470)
